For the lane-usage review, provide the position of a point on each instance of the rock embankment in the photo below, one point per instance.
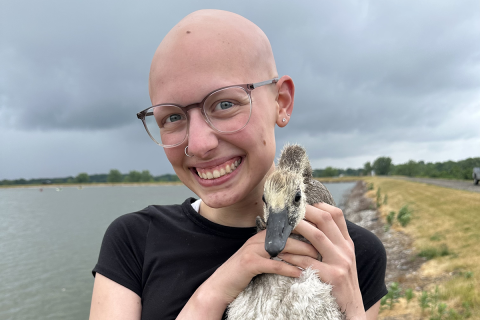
(402, 263)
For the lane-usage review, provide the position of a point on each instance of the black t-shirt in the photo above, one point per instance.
(164, 253)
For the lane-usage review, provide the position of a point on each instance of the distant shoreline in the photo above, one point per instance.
(92, 185)
(145, 184)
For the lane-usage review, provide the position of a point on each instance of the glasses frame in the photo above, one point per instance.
(246, 87)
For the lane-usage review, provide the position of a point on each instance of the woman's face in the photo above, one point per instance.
(248, 154)
(198, 56)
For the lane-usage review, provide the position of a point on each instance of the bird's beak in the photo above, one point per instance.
(278, 231)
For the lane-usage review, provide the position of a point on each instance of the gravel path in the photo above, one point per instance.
(454, 184)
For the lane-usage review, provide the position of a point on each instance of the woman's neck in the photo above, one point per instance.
(241, 214)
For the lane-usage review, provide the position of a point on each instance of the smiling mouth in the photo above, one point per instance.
(219, 171)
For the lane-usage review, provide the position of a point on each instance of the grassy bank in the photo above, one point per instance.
(445, 227)
(339, 179)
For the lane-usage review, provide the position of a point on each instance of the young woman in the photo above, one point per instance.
(216, 99)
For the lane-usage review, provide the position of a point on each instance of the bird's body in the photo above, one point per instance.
(271, 296)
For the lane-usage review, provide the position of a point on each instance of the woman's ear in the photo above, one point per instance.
(286, 93)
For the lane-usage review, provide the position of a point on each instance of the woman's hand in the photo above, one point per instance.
(329, 235)
(212, 298)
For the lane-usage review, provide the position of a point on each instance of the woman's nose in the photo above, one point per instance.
(201, 137)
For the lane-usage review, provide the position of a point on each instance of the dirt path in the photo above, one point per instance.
(455, 184)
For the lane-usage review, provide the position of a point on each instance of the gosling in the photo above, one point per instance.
(274, 297)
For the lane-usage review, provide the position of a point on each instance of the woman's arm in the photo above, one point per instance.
(212, 298)
(112, 301)
(372, 313)
(329, 236)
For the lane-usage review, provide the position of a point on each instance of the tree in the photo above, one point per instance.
(114, 176)
(382, 166)
(411, 168)
(145, 176)
(367, 168)
(82, 178)
(133, 176)
(330, 172)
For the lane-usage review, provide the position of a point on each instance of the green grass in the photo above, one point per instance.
(443, 225)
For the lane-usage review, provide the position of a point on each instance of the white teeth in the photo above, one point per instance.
(219, 173)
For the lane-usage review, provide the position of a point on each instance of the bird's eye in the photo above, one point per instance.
(298, 196)
(263, 198)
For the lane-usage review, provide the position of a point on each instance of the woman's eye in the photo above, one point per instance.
(223, 105)
(173, 118)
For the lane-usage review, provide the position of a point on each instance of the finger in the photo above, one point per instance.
(304, 262)
(281, 268)
(298, 247)
(292, 246)
(317, 238)
(337, 216)
(323, 220)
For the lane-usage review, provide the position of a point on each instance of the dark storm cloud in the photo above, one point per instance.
(85, 65)
(372, 78)
(75, 65)
(398, 66)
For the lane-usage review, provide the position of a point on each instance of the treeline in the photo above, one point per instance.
(335, 172)
(114, 176)
(383, 166)
(448, 170)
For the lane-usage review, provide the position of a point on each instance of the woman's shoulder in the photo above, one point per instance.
(140, 220)
(363, 238)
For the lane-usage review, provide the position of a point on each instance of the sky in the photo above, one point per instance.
(373, 78)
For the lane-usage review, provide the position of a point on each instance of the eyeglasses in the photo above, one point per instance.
(226, 110)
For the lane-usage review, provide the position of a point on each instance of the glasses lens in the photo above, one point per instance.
(167, 125)
(229, 109)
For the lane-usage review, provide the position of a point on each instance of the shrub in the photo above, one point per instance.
(444, 250)
(432, 252)
(424, 301)
(379, 197)
(404, 215)
(391, 217)
(428, 253)
(409, 295)
(393, 295)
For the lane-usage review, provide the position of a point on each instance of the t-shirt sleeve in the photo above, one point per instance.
(371, 261)
(122, 251)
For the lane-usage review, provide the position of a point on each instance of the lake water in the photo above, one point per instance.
(50, 240)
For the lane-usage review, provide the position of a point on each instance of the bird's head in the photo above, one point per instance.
(284, 207)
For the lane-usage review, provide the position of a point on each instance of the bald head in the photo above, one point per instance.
(221, 45)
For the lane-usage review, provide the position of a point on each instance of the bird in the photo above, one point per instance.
(287, 191)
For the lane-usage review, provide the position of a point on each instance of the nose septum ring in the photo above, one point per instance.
(186, 153)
